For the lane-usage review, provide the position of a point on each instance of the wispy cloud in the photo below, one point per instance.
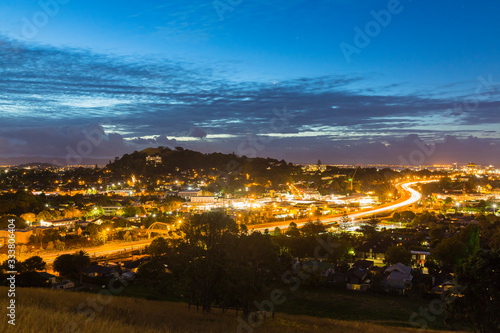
(51, 92)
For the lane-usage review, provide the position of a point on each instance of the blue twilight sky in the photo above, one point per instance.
(344, 81)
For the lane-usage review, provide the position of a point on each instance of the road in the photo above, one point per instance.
(410, 196)
(100, 250)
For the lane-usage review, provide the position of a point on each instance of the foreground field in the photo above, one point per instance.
(331, 303)
(41, 310)
(380, 309)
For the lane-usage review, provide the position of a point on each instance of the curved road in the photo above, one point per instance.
(409, 197)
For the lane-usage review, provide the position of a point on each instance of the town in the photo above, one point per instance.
(249, 166)
(84, 228)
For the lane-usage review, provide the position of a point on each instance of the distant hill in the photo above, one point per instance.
(179, 160)
(58, 161)
(48, 311)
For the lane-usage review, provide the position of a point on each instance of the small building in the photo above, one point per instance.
(48, 277)
(443, 287)
(111, 210)
(204, 199)
(366, 264)
(420, 257)
(132, 266)
(374, 250)
(398, 278)
(188, 194)
(66, 223)
(155, 160)
(100, 271)
(357, 279)
(63, 285)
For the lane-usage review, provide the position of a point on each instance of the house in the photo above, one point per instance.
(357, 279)
(203, 199)
(374, 249)
(48, 277)
(366, 264)
(398, 278)
(420, 257)
(133, 265)
(443, 287)
(100, 271)
(188, 194)
(67, 223)
(336, 279)
(63, 285)
(111, 210)
(127, 276)
(328, 272)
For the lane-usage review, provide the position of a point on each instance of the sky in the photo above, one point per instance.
(344, 81)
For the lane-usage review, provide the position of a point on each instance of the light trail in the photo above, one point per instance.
(411, 194)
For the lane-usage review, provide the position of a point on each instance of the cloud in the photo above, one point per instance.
(197, 132)
(89, 141)
(50, 95)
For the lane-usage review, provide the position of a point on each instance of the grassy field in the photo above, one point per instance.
(42, 310)
(380, 309)
(339, 304)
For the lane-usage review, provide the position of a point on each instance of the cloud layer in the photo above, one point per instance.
(51, 97)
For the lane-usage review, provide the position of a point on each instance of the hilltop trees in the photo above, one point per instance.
(292, 230)
(31, 264)
(203, 254)
(475, 301)
(34, 263)
(219, 263)
(313, 228)
(451, 251)
(18, 222)
(158, 247)
(397, 254)
(72, 264)
(19, 203)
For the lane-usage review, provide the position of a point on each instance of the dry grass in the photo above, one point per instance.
(42, 310)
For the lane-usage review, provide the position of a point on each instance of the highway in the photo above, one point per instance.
(410, 196)
(99, 250)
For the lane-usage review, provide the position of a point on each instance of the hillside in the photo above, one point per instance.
(41, 310)
(181, 161)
